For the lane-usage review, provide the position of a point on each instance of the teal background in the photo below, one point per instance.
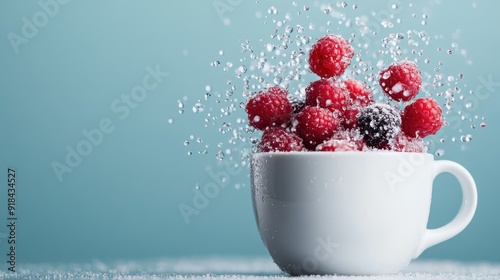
(122, 201)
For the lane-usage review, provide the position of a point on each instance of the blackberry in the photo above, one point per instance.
(297, 104)
(379, 124)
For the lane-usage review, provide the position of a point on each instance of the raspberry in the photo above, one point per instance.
(350, 118)
(350, 135)
(422, 118)
(277, 90)
(297, 105)
(330, 56)
(277, 139)
(379, 124)
(359, 95)
(405, 143)
(269, 108)
(336, 146)
(401, 81)
(325, 94)
(315, 125)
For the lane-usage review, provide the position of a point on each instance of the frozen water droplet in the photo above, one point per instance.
(198, 107)
(386, 75)
(189, 153)
(272, 11)
(221, 52)
(440, 152)
(343, 4)
(170, 121)
(482, 125)
(397, 88)
(215, 63)
(186, 143)
(208, 88)
(220, 155)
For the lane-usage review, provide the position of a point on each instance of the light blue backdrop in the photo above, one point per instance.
(121, 201)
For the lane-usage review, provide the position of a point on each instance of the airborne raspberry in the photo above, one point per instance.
(330, 56)
(422, 118)
(401, 81)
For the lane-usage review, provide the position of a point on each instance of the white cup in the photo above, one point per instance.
(355, 213)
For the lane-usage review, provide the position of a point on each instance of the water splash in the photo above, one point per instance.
(280, 58)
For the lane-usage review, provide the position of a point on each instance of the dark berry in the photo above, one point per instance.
(297, 104)
(422, 118)
(379, 124)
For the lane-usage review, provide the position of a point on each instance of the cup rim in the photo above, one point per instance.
(339, 153)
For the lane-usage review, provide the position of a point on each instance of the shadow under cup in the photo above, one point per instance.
(350, 212)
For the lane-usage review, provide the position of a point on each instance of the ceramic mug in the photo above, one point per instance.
(354, 213)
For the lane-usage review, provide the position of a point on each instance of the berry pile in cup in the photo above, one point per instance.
(342, 115)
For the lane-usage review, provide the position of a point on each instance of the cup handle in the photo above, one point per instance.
(467, 209)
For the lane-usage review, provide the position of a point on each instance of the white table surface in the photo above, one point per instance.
(234, 268)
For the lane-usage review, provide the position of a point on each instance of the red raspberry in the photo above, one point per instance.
(325, 94)
(401, 81)
(358, 93)
(336, 146)
(421, 118)
(315, 125)
(277, 139)
(269, 108)
(277, 90)
(350, 135)
(405, 143)
(350, 118)
(330, 56)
